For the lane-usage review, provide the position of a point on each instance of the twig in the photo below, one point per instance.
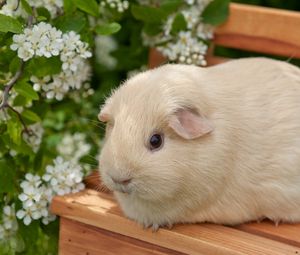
(28, 131)
(18, 3)
(10, 84)
(7, 89)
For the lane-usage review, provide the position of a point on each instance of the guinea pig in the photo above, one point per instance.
(221, 144)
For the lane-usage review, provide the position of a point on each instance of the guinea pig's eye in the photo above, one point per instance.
(156, 141)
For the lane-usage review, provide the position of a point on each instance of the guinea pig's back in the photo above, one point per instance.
(257, 103)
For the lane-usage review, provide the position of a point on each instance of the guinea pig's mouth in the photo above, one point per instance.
(123, 189)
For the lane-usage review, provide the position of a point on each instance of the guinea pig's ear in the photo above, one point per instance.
(190, 125)
(104, 114)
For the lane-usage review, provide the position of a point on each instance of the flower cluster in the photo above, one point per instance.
(13, 8)
(104, 46)
(60, 178)
(35, 199)
(186, 49)
(9, 225)
(73, 147)
(64, 176)
(43, 40)
(188, 46)
(119, 5)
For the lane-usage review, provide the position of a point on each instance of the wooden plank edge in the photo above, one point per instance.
(68, 208)
(264, 230)
(67, 225)
(164, 238)
(258, 44)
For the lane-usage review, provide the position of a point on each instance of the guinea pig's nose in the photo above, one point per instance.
(123, 181)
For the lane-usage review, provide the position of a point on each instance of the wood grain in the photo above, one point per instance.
(78, 238)
(100, 210)
(261, 29)
(287, 233)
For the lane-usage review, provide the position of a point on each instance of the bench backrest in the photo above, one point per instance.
(254, 28)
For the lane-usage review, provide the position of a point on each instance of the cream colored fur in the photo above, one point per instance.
(247, 168)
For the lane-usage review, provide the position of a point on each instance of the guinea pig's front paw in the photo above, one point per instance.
(155, 226)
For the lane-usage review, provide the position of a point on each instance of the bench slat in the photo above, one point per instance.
(287, 233)
(100, 210)
(261, 29)
(77, 238)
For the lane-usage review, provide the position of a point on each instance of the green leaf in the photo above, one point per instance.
(41, 18)
(9, 24)
(26, 7)
(31, 116)
(26, 90)
(43, 12)
(151, 30)
(69, 7)
(170, 6)
(7, 176)
(107, 29)
(178, 24)
(43, 66)
(20, 101)
(75, 22)
(14, 129)
(148, 14)
(90, 6)
(14, 65)
(216, 12)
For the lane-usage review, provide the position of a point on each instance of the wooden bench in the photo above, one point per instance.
(92, 223)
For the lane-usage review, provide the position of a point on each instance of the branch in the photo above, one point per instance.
(2, 3)
(7, 88)
(10, 84)
(28, 131)
(18, 3)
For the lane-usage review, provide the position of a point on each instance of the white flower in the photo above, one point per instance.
(42, 205)
(25, 52)
(48, 219)
(73, 147)
(78, 187)
(190, 2)
(31, 181)
(38, 83)
(63, 176)
(70, 41)
(29, 196)
(53, 6)
(205, 31)
(44, 40)
(10, 9)
(9, 218)
(28, 214)
(188, 46)
(120, 5)
(70, 62)
(104, 46)
(191, 16)
(18, 40)
(55, 90)
(81, 49)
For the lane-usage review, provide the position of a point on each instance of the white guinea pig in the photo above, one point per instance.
(218, 144)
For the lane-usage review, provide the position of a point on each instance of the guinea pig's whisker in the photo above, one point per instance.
(95, 123)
